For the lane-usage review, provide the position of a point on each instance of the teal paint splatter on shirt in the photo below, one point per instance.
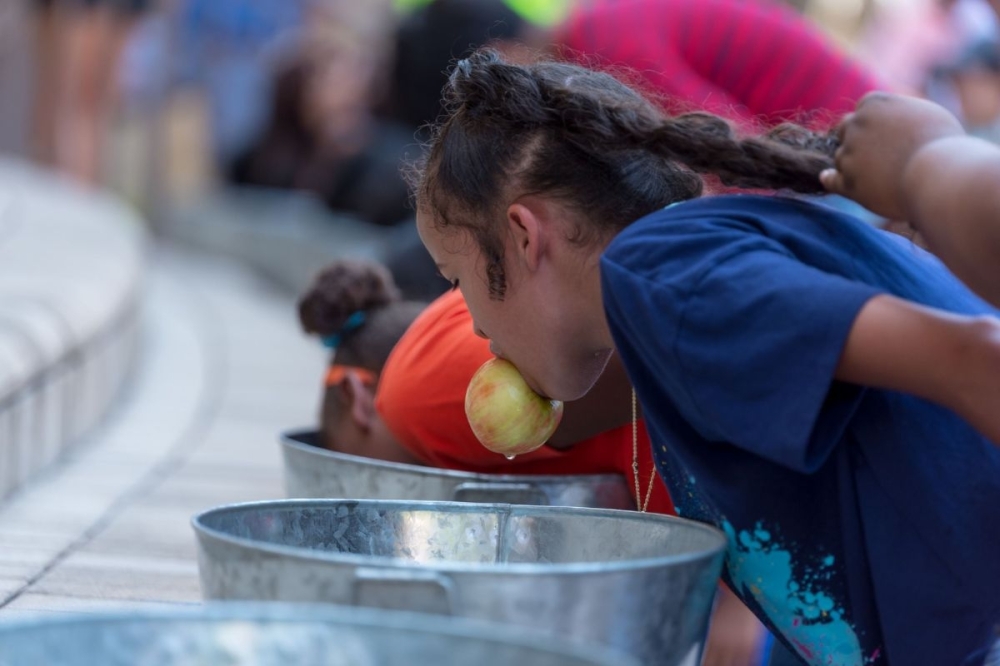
(806, 615)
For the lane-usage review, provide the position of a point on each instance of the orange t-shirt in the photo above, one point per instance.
(421, 398)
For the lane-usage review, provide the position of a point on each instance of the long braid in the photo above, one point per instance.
(787, 157)
(591, 141)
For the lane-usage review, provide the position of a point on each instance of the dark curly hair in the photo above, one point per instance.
(590, 141)
(348, 286)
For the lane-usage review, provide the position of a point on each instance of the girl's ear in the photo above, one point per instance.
(361, 398)
(525, 223)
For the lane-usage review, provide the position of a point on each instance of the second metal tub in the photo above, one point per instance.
(315, 472)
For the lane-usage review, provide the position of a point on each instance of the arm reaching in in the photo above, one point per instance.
(906, 158)
(949, 359)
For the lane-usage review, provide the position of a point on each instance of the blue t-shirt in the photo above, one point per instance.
(864, 524)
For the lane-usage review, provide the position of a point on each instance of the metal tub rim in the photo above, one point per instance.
(288, 441)
(341, 615)
(514, 568)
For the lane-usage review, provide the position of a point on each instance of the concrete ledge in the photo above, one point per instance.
(71, 264)
(290, 236)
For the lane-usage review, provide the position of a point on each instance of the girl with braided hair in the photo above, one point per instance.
(395, 390)
(822, 391)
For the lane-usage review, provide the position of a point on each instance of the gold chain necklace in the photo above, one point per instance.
(635, 462)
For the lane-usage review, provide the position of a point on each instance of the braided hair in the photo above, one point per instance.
(590, 141)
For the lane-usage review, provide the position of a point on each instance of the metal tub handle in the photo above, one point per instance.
(500, 493)
(402, 589)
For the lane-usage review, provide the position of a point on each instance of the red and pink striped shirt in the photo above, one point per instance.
(752, 61)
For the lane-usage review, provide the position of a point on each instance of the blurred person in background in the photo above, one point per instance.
(15, 77)
(975, 79)
(905, 42)
(432, 36)
(752, 62)
(221, 48)
(321, 134)
(228, 50)
(539, 12)
(77, 48)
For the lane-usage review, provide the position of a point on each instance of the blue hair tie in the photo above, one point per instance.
(353, 323)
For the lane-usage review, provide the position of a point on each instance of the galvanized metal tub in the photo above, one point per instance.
(640, 583)
(237, 634)
(311, 471)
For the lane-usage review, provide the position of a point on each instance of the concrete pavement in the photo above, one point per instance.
(223, 369)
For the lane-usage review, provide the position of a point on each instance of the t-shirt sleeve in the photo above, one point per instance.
(745, 346)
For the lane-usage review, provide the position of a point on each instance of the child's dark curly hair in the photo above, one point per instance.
(349, 286)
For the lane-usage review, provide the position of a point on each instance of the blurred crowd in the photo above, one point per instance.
(327, 96)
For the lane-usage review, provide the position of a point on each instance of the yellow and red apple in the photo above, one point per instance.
(506, 415)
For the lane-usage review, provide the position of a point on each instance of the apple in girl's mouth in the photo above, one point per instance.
(506, 415)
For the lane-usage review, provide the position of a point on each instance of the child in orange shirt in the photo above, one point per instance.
(396, 386)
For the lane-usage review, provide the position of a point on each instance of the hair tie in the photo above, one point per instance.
(353, 323)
